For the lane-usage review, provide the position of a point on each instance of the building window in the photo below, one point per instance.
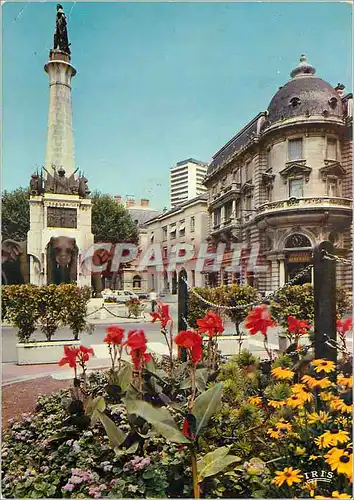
(295, 149)
(238, 211)
(217, 217)
(268, 192)
(193, 277)
(164, 233)
(248, 172)
(269, 159)
(164, 252)
(192, 225)
(228, 211)
(173, 232)
(296, 188)
(225, 278)
(137, 281)
(248, 202)
(182, 228)
(331, 149)
(332, 188)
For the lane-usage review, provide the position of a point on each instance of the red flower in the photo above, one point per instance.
(70, 356)
(259, 320)
(136, 348)
(210, 324)
(344, 326)
(84, 353)
(298, 326)
(189, 426)
(162, 314)
(193, 342)
(114, 335)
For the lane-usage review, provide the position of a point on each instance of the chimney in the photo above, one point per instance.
(144, 202)
(130, 201)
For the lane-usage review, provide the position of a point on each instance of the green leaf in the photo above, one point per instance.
(125, 376)
(129, 451)
(186, 383)
(201, 379)
(115, 435)
(159, 418)
(208, 403)
(97, 404)
(214, 462)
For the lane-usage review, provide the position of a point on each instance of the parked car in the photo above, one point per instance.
(124, 295)
(142, 295)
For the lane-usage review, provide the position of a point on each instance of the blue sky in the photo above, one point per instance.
(157, 82)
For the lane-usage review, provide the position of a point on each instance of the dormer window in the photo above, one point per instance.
(295, 101)
(333, 101)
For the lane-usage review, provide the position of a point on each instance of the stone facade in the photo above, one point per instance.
(187, 223)
(284, 183)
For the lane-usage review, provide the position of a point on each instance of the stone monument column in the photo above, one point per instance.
(60, 139)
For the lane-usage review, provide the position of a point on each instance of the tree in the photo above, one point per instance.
(15, 214)
(111, 221)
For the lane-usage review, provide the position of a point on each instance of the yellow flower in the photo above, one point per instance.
(283, 373)
(314, 457)
(314, 383)
(297, 388)
(341, 462)
(255, 400)
(306, 396)
(323, 365)
(300, 451)
(275, 403)
(327, 396)
(338, 404)
(342, 421)
(346, 382)
(333, 437)
(336, 494)
(288, 476)
(274, 433)
(283, 425)
(319, 441)
(294, 401)
(320, 418)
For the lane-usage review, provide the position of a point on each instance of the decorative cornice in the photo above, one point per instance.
(332, 168)
(297, 167)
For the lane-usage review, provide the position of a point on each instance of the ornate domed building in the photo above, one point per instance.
(284, 183)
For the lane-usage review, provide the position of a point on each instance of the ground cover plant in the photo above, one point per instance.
(204, 427)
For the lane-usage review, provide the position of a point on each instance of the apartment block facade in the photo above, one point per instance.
(186, 180)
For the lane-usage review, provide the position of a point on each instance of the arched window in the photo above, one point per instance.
(297, 241)
(137, 281)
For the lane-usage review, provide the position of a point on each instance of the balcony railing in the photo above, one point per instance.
(232, 189)
(227, 224)
(298, 203)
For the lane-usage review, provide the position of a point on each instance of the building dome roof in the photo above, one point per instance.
(304, 95)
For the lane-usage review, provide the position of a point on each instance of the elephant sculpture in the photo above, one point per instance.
(62, 255)
(14, 259)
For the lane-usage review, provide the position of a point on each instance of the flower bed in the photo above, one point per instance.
(206, 427)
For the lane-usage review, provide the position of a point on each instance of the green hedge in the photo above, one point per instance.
(29, 307)
(296, 300)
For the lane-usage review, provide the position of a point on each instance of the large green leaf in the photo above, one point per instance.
(214, 462)
(115, 435)
(208, 403)
(159, 418)
(125, 376)
(201, 378)
(94, 407)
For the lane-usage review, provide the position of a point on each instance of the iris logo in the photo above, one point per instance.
(317, 476)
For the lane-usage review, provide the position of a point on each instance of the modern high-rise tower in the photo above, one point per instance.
(186, 180)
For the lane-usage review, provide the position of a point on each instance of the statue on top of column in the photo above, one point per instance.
(61, 41)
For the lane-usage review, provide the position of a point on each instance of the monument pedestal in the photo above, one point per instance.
(53, 216)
